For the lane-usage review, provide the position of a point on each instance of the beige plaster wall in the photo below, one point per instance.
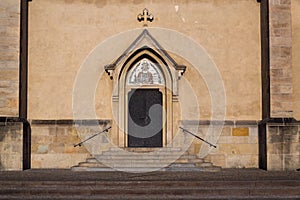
(296, 55)
(63, 33)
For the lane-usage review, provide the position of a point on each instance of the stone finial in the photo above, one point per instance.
(145, 16)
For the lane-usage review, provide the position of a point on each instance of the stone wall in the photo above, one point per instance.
(283, 146)
(283, 138)
(9, 56)
(11, 146)
(296, 56)
(281, 76)
(237, 146)
(53, 142)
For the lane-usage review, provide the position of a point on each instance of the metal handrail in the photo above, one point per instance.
(196, 136)
(80, 143)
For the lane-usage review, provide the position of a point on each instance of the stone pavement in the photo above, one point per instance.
(225, 184)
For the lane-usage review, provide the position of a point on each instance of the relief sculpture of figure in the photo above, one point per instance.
(144, 76)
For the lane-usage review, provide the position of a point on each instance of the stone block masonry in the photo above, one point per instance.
(9, 56)
(281, 78)
(283, 142)
(237, 146)
(236, 150)
(53, 143)
(11, 146)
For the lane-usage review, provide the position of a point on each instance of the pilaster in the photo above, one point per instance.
(281, 79)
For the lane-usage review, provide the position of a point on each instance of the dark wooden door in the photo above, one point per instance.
(145, 118)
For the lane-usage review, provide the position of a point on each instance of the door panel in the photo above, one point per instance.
(145, 118)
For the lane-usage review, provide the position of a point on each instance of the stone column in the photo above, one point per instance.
(281, 83)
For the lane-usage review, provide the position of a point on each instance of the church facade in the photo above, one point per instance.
(142, 80)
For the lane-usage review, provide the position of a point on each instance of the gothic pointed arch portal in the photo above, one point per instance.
(145, 79)
(145, 102)
(144, 92)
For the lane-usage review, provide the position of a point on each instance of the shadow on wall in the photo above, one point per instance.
(1, 167)
(2, 136)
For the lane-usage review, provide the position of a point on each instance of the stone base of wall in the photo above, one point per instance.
(11, 146)
(237, 145)
(53, 142)
(283, 146)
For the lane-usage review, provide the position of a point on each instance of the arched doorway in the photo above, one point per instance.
(145, 102)
(144, 90)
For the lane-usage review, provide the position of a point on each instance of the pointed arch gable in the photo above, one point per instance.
(156, 49)
(154, 57)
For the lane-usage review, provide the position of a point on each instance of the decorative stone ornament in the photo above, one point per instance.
(148, 42)
(145, 16)
(109, 69)
(145, 73)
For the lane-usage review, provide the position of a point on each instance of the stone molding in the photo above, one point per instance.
(225, 122)
(70, 122)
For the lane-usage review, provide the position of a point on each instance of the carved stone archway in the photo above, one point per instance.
(144, 65)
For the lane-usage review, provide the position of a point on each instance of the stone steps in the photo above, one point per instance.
(230, 184)
(136, 197)
(145, 159)
(109, 192)
(141, 150)
(129, 153)
(146, 156)
(145, 189)
(224, 184)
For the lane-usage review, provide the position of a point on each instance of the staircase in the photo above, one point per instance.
(225, 184)
(145, 160)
